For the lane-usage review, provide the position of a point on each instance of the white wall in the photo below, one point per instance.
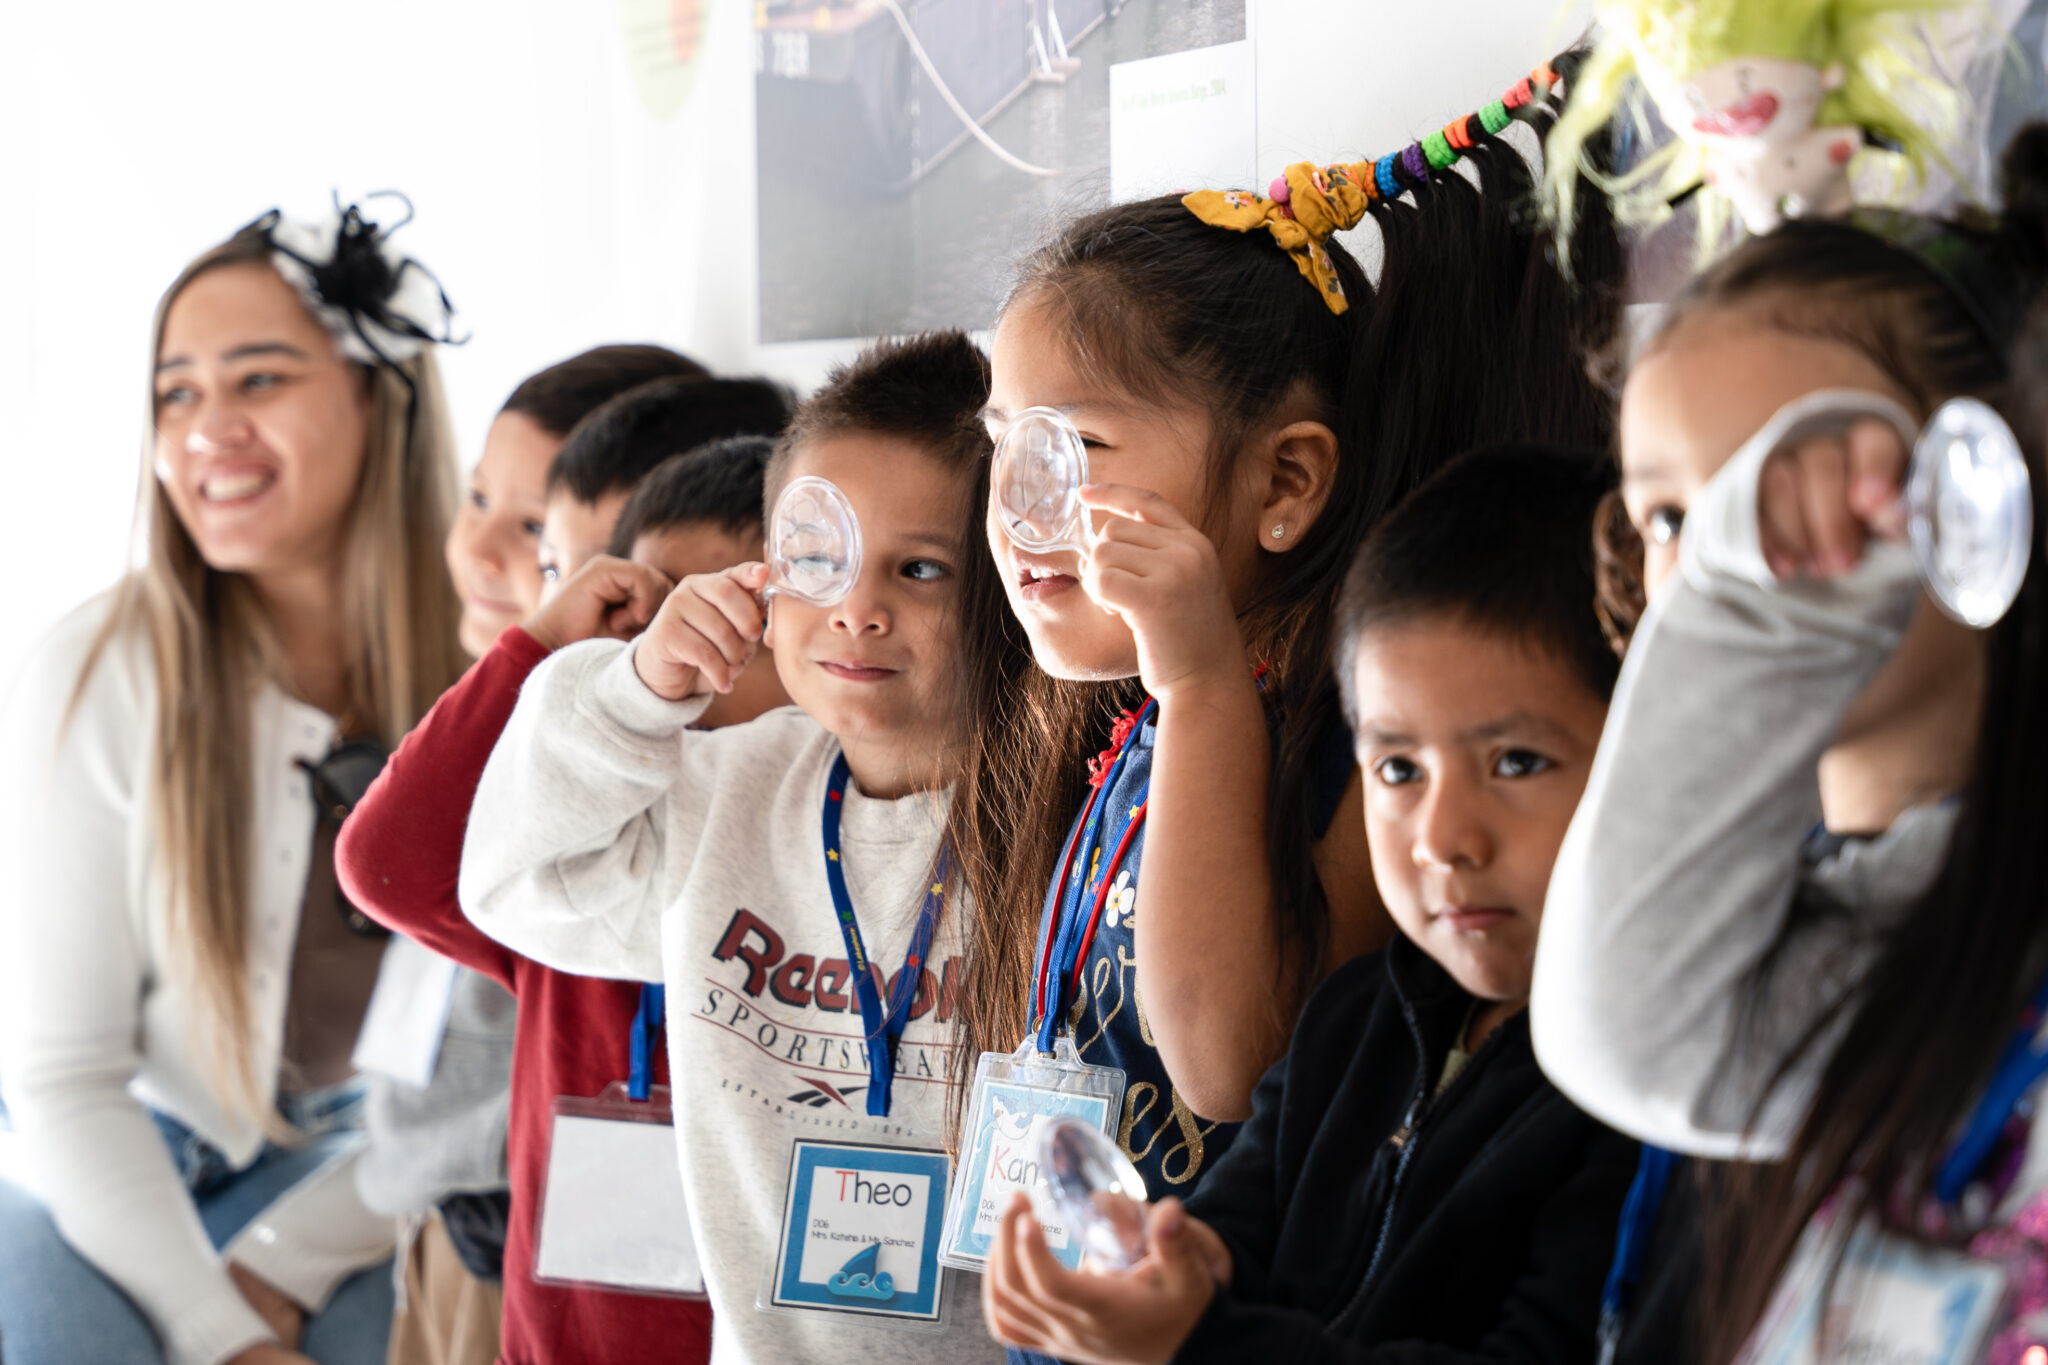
(557, 210)
(1340, 81)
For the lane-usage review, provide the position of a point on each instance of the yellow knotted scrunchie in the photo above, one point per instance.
(1305, 206)
(1308, 203)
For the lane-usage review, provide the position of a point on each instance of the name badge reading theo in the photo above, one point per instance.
(861, 1231)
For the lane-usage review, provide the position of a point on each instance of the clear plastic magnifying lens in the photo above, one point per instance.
(813, 543)
(1040, 466)
(1970, 512)
(1094, 1191)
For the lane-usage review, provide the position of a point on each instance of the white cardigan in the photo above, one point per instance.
(96, 1024)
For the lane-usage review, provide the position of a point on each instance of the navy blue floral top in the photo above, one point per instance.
(1169, 1144)
(1164, 1139)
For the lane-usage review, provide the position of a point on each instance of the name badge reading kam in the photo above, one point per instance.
(1015, 1098)
(1018, 1095)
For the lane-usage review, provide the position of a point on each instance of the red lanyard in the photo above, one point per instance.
(1061, 941)
(1049, 1004)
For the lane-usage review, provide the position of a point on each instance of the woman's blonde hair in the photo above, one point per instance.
(212, 646)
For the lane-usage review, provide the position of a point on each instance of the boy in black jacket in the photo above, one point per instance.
(1409, 1188)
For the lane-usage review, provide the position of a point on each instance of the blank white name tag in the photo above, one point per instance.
(612, 1212)
(408, 1014)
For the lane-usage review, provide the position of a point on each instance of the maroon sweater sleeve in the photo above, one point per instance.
(400, 852)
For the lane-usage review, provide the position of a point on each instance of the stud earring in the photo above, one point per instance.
(1279, 531)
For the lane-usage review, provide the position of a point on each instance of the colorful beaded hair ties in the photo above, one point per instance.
(1305, 205)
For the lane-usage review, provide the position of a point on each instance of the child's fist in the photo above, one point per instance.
(1157, 570)
(704, 634)
(607, 596)
(1819, 500)
(1099, 1316)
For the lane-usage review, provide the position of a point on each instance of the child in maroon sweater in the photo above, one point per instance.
(401, 850)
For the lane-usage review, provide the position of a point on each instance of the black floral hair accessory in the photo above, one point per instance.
(381, 307)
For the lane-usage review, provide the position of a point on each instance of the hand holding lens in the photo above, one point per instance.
(813, 544)
(1040, 467)
(1094, 1190)
(1970, 511)
(1968, 501)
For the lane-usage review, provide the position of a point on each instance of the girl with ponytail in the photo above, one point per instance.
(1251, 405)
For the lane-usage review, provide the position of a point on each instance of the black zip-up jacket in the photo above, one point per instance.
(1370, 1222)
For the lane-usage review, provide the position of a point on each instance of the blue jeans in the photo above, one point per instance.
(56, 1309)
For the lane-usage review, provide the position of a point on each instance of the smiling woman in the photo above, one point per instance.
(180, 965)
(260, 427)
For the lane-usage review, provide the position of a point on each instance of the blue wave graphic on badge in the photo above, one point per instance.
(857, 1278)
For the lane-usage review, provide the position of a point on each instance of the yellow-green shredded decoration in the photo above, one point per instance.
(1889, 86)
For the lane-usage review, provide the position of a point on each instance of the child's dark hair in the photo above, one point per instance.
(613, 448)
(1500, 540)
(1470, 336)
(557, 398)
(927, 389)
(717, 485)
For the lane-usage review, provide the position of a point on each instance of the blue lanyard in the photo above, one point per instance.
(647, 1026)
(1068, 933)
(884, 1032)
(2024, 1063)
(1632, 1243)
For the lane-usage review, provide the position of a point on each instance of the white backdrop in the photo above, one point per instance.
(556, 208)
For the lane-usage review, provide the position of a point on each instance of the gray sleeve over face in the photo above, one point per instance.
(1684, 860)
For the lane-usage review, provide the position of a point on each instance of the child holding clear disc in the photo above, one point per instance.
(790, 879)
(1249, 405)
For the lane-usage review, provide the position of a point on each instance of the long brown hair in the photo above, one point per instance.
(212, 646)
(1471, 336)
(1920, 1027)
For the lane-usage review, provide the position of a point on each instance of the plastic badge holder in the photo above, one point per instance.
(1970, 512)
(813, 544)
(1040, 466)
(1095, 1190)
(1014, 1097)
(612, 1215)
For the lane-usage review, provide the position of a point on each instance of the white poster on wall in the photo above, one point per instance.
(1184, 121)
(907, 151)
